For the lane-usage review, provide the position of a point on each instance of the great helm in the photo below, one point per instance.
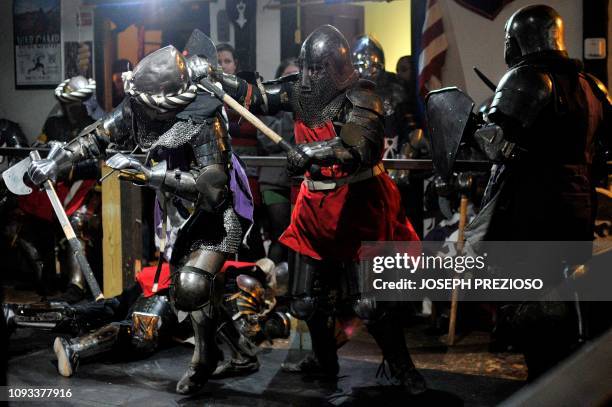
(533, 29)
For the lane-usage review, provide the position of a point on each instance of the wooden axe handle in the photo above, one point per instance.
(75, 244)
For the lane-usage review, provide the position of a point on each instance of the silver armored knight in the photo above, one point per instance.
(189, 162)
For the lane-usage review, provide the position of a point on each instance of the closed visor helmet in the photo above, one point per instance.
(368, 57)
(75, 89)
(326, 53)
(533, 29)
(161, 81)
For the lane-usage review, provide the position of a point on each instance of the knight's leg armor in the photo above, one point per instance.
(310, 303)
(383, 323)
(196, 289)
(152, 322)
(71, 352)
(57, 316)
(76, 287)
(244, 351)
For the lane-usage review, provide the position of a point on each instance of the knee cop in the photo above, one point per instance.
(303, 307)
(152, 320)
(193, 289)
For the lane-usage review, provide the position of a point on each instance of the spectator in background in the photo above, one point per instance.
(244, 143)
(274, 182)
(405, 73)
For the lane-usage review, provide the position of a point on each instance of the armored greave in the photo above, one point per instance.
(75, 276)
(79, 221)
(310, 303)
(197, 288)
(389, 336)
(97, 342)
(206, 354)
(70, 353)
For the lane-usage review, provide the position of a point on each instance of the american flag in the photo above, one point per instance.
(434, 46)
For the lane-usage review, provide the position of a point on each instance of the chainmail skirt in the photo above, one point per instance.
(232, 239)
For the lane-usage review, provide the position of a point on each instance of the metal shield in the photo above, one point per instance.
(448, 113)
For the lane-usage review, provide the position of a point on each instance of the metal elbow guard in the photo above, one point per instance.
(491, 141)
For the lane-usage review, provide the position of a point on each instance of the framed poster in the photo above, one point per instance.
(37, 39)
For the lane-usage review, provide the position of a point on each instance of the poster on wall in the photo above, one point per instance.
(37, 27)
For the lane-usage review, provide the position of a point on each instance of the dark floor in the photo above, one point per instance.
(151, 382)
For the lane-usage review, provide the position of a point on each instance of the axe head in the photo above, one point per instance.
(13, 177)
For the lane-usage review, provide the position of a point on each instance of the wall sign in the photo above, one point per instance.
(37, 39)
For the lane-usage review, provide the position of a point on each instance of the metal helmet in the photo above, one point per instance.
(326, 71)
(75, 89)
(533, 29)
(71, 94)
(161, 80)
(326, 54)
(368, 57)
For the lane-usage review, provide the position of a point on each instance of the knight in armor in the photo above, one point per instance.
(191, 165)
(544, 125)
(138, 322)
(75, 110)
(346, 197)
(369, 60)
(402, 137)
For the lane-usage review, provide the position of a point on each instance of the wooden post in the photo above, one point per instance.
(122, 233)
(111, 235)
(109, 57)
(452, 324)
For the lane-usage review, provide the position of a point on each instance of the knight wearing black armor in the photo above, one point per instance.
(545, 124)
(190, 164)
(339, 130)
(369, 59)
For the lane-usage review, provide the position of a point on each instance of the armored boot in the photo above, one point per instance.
(71, 352)
(389, 336)
(206, 354)
(244, 353)
(323, 362)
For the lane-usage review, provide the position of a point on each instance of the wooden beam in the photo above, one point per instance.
(111, 235)
(122, 233)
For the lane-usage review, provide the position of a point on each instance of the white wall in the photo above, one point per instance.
(29, 108)
(268, 40)
(478, 41)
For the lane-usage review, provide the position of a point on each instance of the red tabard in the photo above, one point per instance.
(37, 203)
(332, 224)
